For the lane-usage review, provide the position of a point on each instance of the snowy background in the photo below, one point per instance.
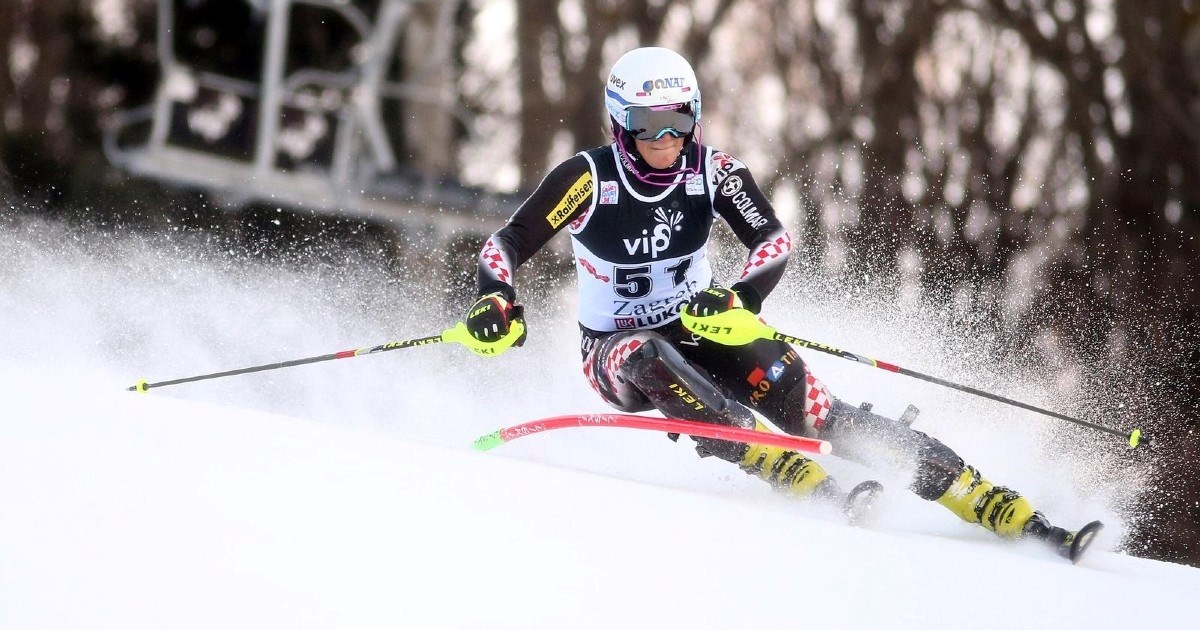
(346, 494)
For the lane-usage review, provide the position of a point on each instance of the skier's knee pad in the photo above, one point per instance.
(659, 370)
(679, 390)
(937, 467)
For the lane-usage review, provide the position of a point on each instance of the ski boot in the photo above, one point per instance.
(796, 475)
(1006, 512)
(1068, 544)
(977, 500)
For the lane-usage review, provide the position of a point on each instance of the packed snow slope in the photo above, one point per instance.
(346, 494)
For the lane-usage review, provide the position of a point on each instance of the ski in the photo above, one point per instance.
(859, 501)
(1075, 544)
(1068, 544)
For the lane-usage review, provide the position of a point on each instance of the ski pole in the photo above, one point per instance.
(457, 334)
(738, 327)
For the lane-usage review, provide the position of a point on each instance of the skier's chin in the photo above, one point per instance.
(661, 158)
(661, 153)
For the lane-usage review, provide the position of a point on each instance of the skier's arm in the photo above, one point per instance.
(742, 204)
(564, 195)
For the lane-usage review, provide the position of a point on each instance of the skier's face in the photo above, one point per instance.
(660, 153)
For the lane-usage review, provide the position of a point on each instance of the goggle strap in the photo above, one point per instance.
(667, 179)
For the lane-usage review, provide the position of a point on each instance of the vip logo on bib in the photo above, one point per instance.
(658, 241)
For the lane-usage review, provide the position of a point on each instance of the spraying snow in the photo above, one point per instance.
(345, 495)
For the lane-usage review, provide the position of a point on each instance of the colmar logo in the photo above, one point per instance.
(732, 188)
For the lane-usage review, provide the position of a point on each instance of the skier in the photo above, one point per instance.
(639, 211)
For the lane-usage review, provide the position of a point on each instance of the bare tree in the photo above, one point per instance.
(1126, 279)
(1043, 152)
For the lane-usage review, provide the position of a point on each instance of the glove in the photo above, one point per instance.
(491, 317)
(712, 301)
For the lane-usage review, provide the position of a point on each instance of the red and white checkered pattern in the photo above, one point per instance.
(611, 364)
(590, 375)
(768, 252)
(578, 224)
(494, 259)
(616, 358)
(817, 402)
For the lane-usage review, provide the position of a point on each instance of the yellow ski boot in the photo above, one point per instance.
(786, 471)
(977, 500)
(793, 474)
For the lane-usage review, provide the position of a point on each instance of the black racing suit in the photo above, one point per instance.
(641, 253)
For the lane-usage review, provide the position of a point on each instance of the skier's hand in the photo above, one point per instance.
(490, 319)
(712, 301)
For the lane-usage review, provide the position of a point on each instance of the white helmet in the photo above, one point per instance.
(647, 90)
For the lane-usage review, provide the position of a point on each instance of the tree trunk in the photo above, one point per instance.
(537, 22)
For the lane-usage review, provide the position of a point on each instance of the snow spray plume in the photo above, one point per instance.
(92, 307)
(738, 327)
(1072, 471)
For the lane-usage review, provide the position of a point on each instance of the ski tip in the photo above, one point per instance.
(489, 441)
(860, 501)
(1083, 539)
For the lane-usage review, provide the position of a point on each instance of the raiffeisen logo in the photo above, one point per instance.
(578, 194)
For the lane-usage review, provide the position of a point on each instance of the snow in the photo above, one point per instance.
(346, 494)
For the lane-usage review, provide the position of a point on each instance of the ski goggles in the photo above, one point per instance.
(650, 123)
